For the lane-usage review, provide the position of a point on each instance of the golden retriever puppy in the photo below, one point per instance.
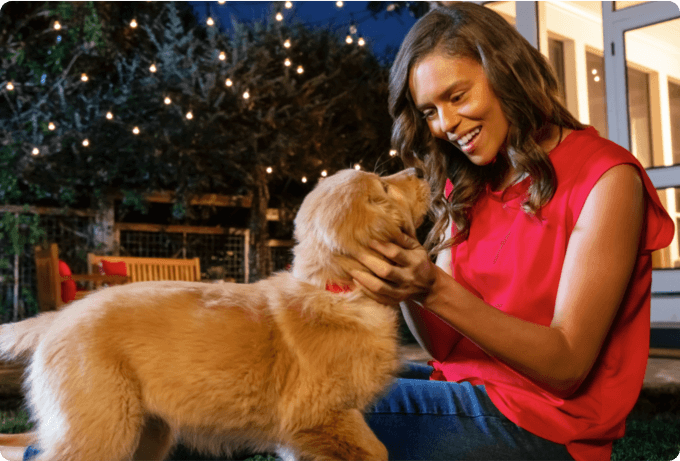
(281, 364)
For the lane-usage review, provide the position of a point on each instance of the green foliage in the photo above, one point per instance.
(20, 230)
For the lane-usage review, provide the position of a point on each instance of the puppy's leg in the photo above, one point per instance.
(345, 437)
(155, 442)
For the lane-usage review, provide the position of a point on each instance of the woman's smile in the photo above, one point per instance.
(457, 102)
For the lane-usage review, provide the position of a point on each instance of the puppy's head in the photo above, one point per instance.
(344, 212)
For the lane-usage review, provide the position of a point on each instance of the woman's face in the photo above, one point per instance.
(457, 102)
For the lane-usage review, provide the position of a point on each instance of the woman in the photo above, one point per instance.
(537, 312)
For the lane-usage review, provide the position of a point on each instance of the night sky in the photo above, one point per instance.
(383, 33)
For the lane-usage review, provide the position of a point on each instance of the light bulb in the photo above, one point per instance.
(83, 77)
(190, 115)
(287, 43)
(35, 151)
(246, 95)
(597, 78)
(221, 2)
(289, 5)
(357, 166)
(133, 23)
(324, 173)
(135, 130)
(223, 55)
(86, 142)
(51, 126)
(300, 70)
(361, 41)
(210, 21)
(393, 153)
(228, 82)
(594, 71)
(339, 4)
(10, 86)
(152, 68)
(279, 16)
(109, 115)
(269, 170)
(167, 100)
(304, 179)
(349, 39)
(287, 62)
(352, 29)
(57, 26)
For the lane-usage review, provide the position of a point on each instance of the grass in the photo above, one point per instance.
(652, 429)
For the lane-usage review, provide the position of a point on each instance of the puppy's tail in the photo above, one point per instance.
(18, 340)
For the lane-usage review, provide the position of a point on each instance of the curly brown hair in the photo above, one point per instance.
(527, 89)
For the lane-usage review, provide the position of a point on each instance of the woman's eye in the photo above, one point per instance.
(429, 114)
(457, 97)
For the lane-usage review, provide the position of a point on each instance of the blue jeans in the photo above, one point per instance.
(420, 419)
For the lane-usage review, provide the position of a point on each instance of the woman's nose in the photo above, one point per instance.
(448, 121)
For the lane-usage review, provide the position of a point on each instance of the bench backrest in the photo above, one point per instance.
(151, 269)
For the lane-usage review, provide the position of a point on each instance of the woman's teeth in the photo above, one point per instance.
(468, 137)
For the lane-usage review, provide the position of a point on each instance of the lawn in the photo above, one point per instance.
(652, 430)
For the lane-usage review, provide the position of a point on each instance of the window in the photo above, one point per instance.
(674, 103)
(640, 123)
(597, 98)
(556, 57)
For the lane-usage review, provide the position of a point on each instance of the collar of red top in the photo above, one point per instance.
(335, 287)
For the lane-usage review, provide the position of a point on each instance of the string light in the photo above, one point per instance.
(391, 7)
(597, 78)
(167, 100)
(594, 71)
(189, 115)
(153, 68)
(221, 2)
(393, 153)
(352, 29)
(35, 151)
(304, 179)
(361, 41)
(210, 21)
(10, 86)
(300, 70)
(229, 82)
(286, 44)
(133, 23)
(135, 130)
(83, 77)
(269, 170)
(287, 62)
(51, 126)
(357, 166)
(246, 95)
(349, 40)
(324, 173)
(289, 5)
(57, 26)
(86, 142)
(279, 16)
(223, 55)
(339, 4)
(109, 115)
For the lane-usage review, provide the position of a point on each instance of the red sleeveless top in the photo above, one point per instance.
(513, 261)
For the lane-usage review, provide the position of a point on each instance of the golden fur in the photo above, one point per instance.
(281, 364)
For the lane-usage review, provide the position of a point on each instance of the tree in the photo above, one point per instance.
(180, 119)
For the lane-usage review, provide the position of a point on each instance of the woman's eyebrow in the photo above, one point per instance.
(447, 90)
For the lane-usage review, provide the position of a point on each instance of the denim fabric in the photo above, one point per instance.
(420, 419)
(30, 453)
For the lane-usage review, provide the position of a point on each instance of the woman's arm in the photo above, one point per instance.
(432, 333)
(600, 258)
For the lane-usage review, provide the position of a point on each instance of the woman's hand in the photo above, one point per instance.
(398, 270)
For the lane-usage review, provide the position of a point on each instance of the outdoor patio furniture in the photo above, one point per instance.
(49, 281)
(139, 269)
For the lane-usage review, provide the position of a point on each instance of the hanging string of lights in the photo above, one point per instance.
(210, 22)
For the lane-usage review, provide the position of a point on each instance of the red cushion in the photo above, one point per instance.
(111, 268)
(68, 287)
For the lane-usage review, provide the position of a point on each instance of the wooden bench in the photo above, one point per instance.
(149, 269)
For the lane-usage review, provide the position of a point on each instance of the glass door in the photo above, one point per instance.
(642, 71)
